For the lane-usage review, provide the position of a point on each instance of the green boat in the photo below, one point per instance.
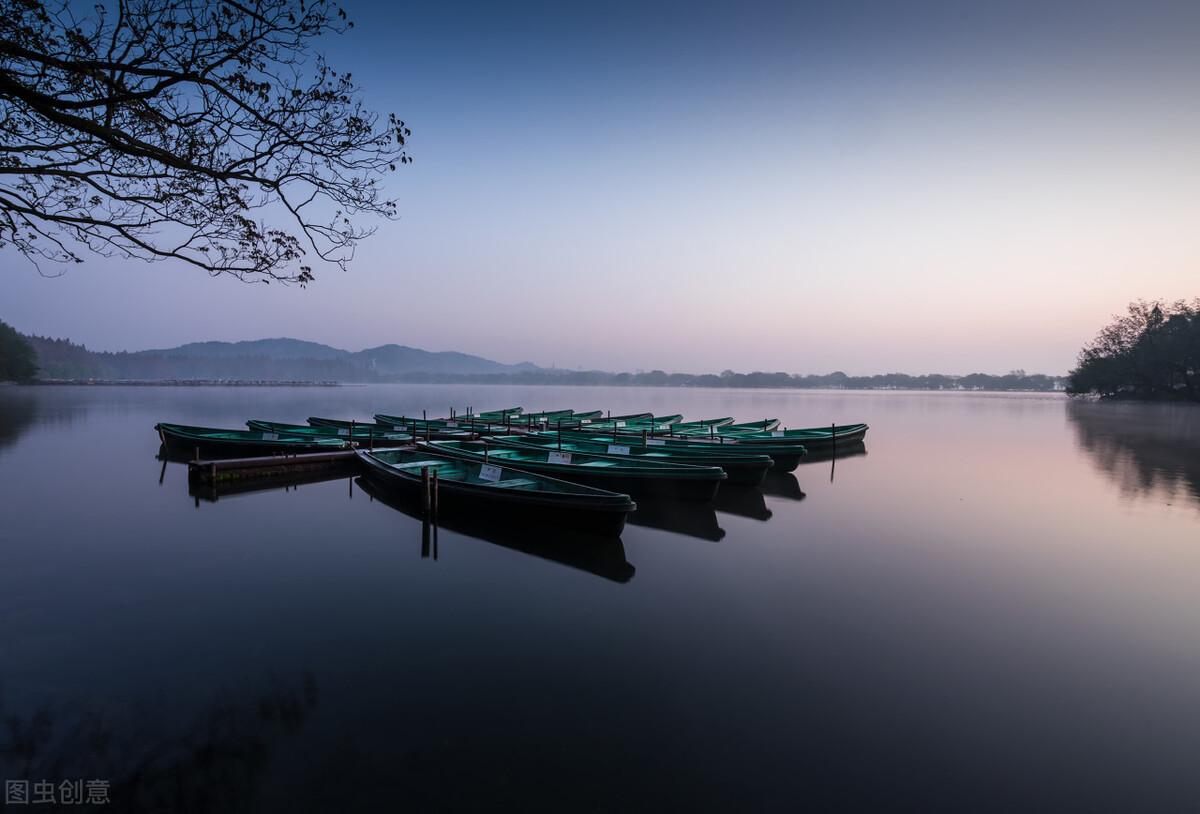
(699, 428)
(362, 433)
(632, 476)
(660, 422)
(787, 456)
(703, 424)
(815, 438)
(554, 417)
(490, 415)
(766, 425)
(497, 490)
(505, 424)
(181, 440)
(746, 469)
(425, 429)
(627, 418)
(656, 425)
(342, 424)
(472, 422)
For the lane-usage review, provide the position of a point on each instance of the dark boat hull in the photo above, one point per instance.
(599, 554)
(822, 441)
(630, 477)
(504, 506)
(179, 447)
(691, 489)
(786, 461)
(747, 470)
(786, 456)
(744, 475)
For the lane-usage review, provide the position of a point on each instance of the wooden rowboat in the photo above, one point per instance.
(500, 490)
(631, 476)
(425, 429)
(711, 428)
(814, 438)
(491, 414)
(363, 434)
(181, 440)
(703, 424)
(741, 468)
(787, 456)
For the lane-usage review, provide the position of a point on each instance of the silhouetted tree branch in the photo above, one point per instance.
(202, 131)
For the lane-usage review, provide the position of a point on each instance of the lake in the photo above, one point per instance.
(996, 607)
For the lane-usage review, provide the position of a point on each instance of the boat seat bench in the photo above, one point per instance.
(514, 483)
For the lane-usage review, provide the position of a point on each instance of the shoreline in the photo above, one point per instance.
(176, 383)
(469, 381)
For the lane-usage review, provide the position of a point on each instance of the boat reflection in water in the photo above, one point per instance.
(600, 556)
(681, 517)
(782, 484)
(604, 557)
(212, 491)
(744, 501)
(851, 450)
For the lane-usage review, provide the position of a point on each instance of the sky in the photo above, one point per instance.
(866, 187)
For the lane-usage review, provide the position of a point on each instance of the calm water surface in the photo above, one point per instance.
(995, 608)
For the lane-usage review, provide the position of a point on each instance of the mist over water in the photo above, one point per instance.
(991, 607)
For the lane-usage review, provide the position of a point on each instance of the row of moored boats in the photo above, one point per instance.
(571, 468)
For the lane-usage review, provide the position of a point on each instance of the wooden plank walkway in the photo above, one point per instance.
(266, 466)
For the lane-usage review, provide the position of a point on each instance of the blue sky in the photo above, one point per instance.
(691, 186)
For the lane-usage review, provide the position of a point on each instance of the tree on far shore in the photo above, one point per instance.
(1152, 352)
(206, 132)
(17, 358)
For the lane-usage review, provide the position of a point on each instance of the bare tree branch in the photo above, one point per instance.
(205, 132)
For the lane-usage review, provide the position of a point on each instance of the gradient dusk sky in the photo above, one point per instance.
(697, 186)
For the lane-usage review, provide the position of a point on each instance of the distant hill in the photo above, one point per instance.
(280, 359)
(268, 348)
(294, 360)
(397, 359)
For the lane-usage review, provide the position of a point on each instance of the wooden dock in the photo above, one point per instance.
(272, 466)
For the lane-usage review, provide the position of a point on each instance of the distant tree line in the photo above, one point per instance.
(1151, 352)
(17, 358)
(1017, 380)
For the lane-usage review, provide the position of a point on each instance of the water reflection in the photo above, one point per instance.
(17, 411)
(744, 501)
(1141, 447)
(682, 517)
(841, 451)
(214, 490)
(602, 557)
(214, 762)
(782, 484)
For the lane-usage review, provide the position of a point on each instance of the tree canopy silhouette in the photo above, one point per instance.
(208, 132)
(1152, 352)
